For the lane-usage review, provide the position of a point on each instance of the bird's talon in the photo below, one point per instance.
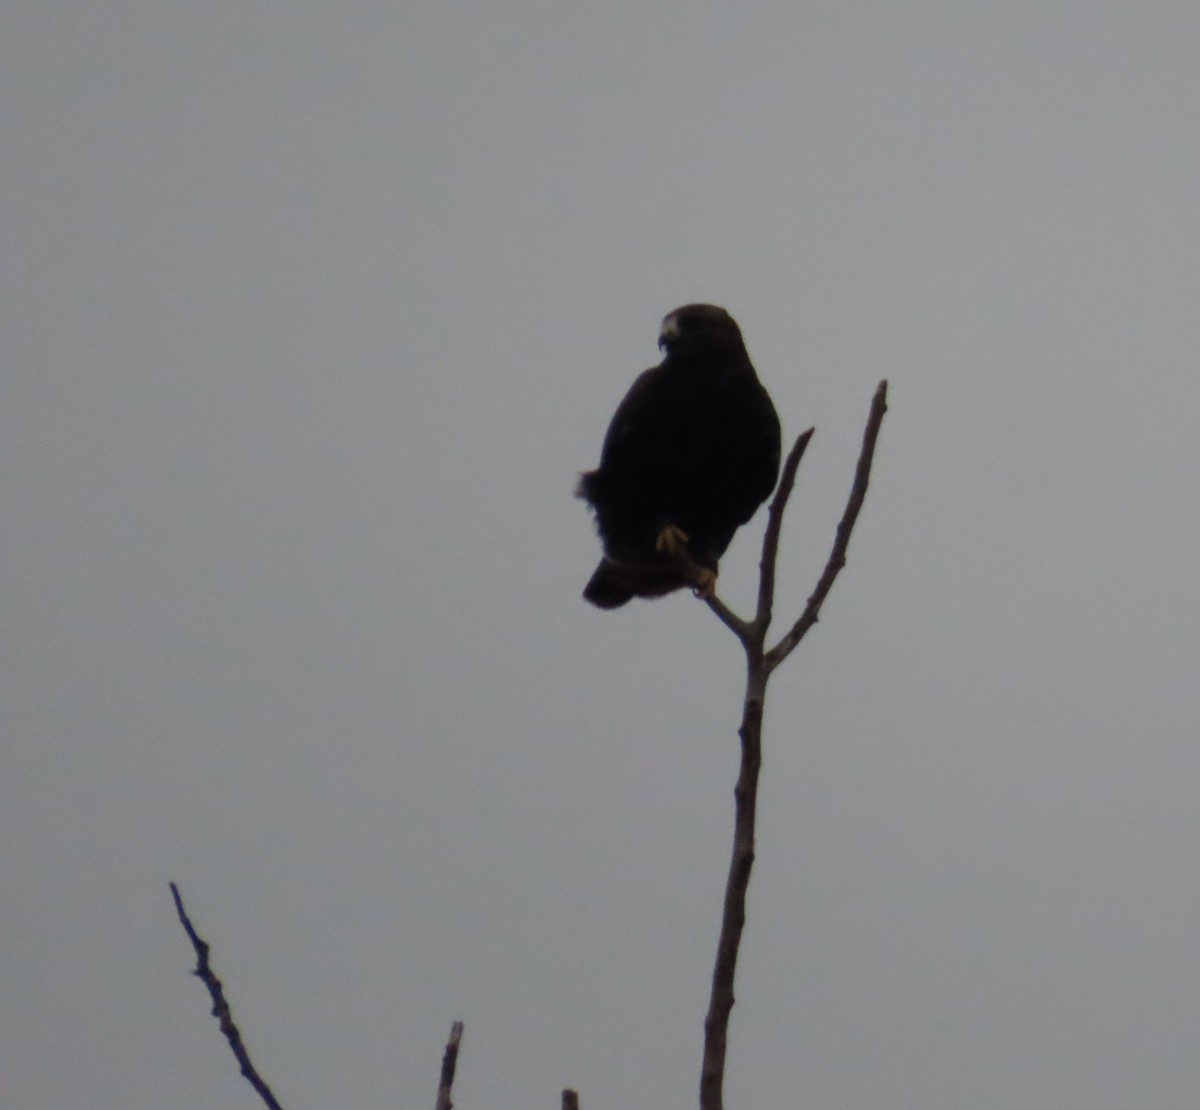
(672, 540)
(705, 584)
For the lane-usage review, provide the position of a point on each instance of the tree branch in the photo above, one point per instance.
(759, 665)
(220, 1010)
(837, 557)
(740, 628)
(766, 565)
(449, 1062)
(733, 915)
(743, 629)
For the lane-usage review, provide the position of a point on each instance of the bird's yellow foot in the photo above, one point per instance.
(704, 583)
(672, 540)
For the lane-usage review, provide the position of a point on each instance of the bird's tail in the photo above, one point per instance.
(607, 588)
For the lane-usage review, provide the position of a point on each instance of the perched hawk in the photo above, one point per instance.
(691, 452)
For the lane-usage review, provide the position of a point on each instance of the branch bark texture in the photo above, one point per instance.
(759, 665)
(449, 1063)
(221, 1011)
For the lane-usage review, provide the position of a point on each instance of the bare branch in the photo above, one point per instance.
(733, 915)
(743, 629)
(739, 627)
(220, 1010)
(759, 665)
(837, 557)
(766, 566)
(449, 1062)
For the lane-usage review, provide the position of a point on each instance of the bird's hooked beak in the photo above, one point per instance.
(669, 332)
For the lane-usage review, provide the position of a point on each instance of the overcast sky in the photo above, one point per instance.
(310, 314)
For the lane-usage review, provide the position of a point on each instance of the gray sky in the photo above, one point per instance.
(310, 314)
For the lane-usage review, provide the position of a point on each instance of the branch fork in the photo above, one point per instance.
(760, 663)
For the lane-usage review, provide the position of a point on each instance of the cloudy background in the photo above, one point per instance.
(311, 312)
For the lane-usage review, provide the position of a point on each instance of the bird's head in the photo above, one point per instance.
(698, 327)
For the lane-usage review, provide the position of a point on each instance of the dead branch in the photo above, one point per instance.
(759, 665)
(449, 1063)
(837, 557)
(766, 565)
(220, 1010)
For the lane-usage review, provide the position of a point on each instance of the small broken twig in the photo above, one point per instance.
(204, 972)
(449, 1062)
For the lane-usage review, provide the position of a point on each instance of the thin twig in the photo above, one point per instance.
(770, 550)
(449, 1062)
(743, 629)
(759, 665)
(220, 1010)
(739, 627)
(570, 1100)
(837, 557)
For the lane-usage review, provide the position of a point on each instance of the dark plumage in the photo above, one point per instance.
(691, 452)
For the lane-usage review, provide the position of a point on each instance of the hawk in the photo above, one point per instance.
(690, 454)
